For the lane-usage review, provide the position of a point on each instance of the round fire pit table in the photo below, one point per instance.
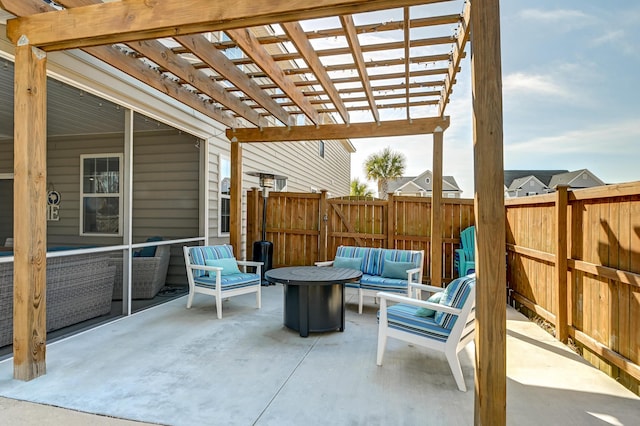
(313, 296)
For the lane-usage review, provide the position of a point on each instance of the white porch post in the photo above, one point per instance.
(128, 210)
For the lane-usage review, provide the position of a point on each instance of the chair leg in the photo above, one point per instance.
(382, 343)
(360, 301)
(190, 299)
(456, 369)
(219, 307)
(259, 297)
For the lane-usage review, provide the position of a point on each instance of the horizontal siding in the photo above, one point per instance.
(166, 192)
(165, 189)
(299, 161)
(6, 210)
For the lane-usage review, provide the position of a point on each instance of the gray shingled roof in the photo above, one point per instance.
(564, 178)
(394, 184)
(543, 175)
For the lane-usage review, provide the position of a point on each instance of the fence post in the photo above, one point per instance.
(253, 220)
(561, 263)
(391, 220)
(436, 211)
(322, 226)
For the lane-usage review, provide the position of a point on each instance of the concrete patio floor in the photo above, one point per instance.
(169, 365)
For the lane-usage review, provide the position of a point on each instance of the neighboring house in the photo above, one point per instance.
(576, 180)
(421, 186)
(117, 146)
(523, 183)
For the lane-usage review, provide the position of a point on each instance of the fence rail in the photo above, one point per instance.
(306, 228)
(574, 259)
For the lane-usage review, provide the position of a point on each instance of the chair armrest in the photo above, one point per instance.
(325, 263)
(461, 254)
(429, 288)
(410, 272)
(204, 267)
(249, 263)
(415, 302)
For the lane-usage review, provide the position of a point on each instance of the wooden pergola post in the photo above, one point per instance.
(436, 210)
(235, 221)
(29, 217)
(491, 324)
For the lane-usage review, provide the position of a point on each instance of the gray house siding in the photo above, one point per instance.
(6, 190)
(299, 161)
(585, 180)
(6, 209)
(529, 186)
(165, 190)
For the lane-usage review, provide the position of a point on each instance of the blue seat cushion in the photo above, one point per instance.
(198, 255)
(394, 255)
(455, 295)
(370, 257)
(229, 281)
(375, 282)
(403, 317)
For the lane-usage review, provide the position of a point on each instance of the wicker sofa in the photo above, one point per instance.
(78, 288)
(148, 274)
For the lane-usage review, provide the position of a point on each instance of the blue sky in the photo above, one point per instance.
(571, 95)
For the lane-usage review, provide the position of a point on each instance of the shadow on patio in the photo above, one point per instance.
(175, 366)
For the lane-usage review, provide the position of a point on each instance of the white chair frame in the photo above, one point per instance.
(218, 292)
(461, 334)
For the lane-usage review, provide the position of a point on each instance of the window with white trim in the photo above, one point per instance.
(280, 185)
(100, 194)
(224, 196)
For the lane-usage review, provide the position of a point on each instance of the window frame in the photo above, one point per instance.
(222, 195)
(119, 195)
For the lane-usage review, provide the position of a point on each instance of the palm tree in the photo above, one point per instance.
(360, 189)
(383, 166)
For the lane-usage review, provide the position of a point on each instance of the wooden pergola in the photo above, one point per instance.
(283, 84)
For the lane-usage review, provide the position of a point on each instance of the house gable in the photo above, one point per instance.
(577, 179)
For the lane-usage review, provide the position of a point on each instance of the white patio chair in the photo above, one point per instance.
(214, 271)
(449, 330)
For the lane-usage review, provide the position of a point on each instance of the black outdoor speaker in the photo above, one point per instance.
(263, 252)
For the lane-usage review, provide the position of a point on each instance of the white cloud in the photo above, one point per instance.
(600, 139)
(524, 83)
(609, 37)
(563, 20)
(554, 16)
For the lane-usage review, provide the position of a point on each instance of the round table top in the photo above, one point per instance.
(312, 275)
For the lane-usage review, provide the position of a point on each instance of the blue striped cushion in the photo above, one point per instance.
(198, 255)
(370, 257)
(398, 256)
(455, 295)
(403, 317)
(374, 282)
(228, 281)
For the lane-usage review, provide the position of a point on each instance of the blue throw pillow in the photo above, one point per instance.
(426, 312)
(397, 270)
(347, 262)
(151, 250)
(229, 266)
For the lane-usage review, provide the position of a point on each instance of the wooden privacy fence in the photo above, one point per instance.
(574, 259)
(306, 228)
